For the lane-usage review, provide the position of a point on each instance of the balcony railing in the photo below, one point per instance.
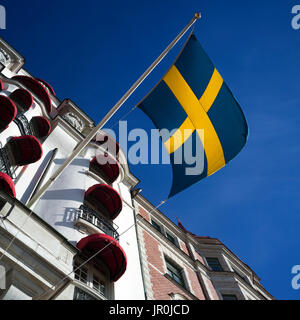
(23, 124)
(100, 222)
(5, 165)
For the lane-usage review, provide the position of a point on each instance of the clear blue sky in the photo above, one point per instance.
(92, 51)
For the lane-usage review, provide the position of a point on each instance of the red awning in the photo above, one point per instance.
(7, 185)
(112, 253)
(108, 142)
(1, 85)
(103, 196)
(42, 126)
(25, 149)
(37, 88)
(108, 167)
(47, 85)
(8, 112)
(22, 98)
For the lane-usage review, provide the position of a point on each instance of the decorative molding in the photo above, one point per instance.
(9, 57)
(5, 58)
(74, 121)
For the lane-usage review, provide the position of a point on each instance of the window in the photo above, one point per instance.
(91, 277)
(98, 285)
(81, 274)
(241, 275)
(214, 264)
(171, 238)
(229, 297)
(175, 273)
(156, 226)
(161, 229)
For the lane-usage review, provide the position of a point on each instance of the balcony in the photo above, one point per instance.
(97, 221)
(23, 125)
(5, 164)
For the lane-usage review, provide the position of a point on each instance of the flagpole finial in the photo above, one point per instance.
(198, 15)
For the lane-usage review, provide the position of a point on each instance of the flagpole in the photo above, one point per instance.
(118, 105)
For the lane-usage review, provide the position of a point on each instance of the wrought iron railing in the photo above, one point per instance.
(100, 222)
(5, 165)
(23, 124)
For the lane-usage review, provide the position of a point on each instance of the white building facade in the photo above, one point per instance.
(90, 236)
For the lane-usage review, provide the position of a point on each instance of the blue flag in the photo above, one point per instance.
(194, 103)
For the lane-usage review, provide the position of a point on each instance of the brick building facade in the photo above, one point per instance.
(180, 265)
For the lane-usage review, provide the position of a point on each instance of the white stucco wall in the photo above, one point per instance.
(59, 204)
(130, 285)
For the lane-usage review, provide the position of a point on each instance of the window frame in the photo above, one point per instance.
(92, 274)
(157, 226)
(166, 233)
(211, 264)
(177, 268)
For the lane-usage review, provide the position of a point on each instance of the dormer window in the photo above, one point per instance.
(214, 264)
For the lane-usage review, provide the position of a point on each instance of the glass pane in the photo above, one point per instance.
(171, 238)
(156, 226)
(98, 285)
(81, 273)
(214, 264)
(175, 273)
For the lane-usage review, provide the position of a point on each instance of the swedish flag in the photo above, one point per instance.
(193, 99)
